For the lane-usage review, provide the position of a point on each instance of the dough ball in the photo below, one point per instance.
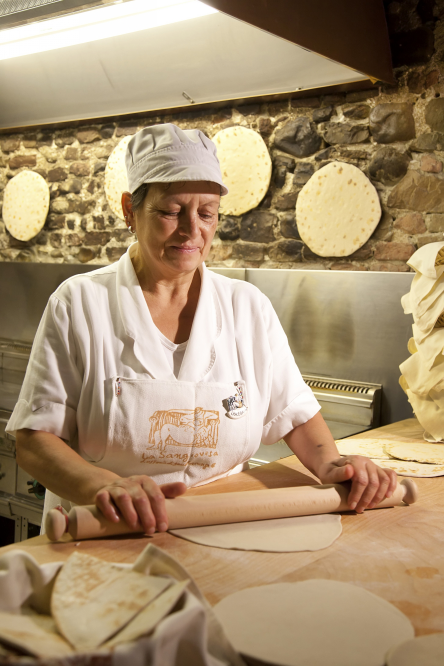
(281, 535)
(420, 651)
(311, 623)
(116, 180)
(337, 210)
(25, 205)
(246, 168)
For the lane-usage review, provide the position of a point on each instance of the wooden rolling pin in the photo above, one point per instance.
(87, 522)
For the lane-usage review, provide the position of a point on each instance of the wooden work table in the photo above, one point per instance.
(396, 553)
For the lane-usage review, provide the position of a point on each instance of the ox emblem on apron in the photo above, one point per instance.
(235, 404)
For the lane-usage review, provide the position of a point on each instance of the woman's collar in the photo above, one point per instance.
(200, 354)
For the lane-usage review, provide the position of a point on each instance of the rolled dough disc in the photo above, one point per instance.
(313, 622)
(428, 260)
(25, 205)
(281, 535)
(116, 180)
(420, 651)
(371, 448)
(417, 451)
(409, 468)
(337, 210)
(246, 168)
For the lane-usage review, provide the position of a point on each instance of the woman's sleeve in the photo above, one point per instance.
(51, 389)
(291, 401)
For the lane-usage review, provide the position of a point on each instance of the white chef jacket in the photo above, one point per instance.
(99, 379)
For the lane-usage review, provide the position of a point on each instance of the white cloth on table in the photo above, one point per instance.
(192, 634)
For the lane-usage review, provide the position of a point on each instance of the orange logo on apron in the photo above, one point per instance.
(187, 428)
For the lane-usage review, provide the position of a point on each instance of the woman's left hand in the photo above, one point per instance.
(370, 483)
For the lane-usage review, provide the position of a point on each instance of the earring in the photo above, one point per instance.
(131, 230)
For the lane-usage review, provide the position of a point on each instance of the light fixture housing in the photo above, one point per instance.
(120, 18)
(148, 56)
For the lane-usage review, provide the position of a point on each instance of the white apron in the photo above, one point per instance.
(204, 437)
(99, 379)
(176, 430)
(188, 429)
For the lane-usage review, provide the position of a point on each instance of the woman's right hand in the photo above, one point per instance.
(139, 500)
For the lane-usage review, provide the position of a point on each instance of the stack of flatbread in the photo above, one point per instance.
(94, 605)
(406, 458)
(423, 372)
(422, 376)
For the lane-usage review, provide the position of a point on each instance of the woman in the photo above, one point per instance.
(154, 374)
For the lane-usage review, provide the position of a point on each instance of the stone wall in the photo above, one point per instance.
(395, 134)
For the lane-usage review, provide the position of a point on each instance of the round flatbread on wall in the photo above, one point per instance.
(246, 168)
(337, 210)
(25, 205)
(116, 180)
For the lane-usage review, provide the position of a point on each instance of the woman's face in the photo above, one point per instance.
(175, 225)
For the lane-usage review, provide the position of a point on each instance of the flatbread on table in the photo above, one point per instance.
(337, 210)
(428, 260)
(420, 651)
(246, 168)
(378, 452)
(116, 179)
(93, 599)
(410, 468)
(149, 617)
(313, 622)
(280, 535)
(34, 634)
(422, 452)
(370, 448)
(25, 205)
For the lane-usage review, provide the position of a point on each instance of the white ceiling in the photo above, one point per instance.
(212, 58)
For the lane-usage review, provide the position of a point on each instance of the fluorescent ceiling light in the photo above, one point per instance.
(90, 26)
